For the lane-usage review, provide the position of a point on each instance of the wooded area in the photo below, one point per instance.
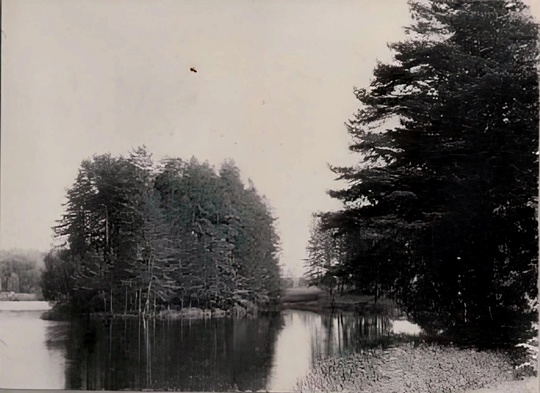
(20, 271)
(440, 211)
(141, 236)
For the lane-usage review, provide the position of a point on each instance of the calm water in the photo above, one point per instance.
(267, 353)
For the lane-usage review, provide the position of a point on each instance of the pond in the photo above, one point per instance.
(265, 353)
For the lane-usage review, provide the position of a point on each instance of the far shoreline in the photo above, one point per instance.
(20, 297)
(301, 299)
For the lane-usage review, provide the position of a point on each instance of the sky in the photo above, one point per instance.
(272, 91)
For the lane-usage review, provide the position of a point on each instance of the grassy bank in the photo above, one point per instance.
(316, 300)
(410, 368)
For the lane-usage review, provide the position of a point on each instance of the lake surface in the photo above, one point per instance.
(266, 353)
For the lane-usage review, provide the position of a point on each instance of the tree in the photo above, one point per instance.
(446, 189)
(191, 201)
(57, 279)
(322, 253)
(102, 223)
(154, 268)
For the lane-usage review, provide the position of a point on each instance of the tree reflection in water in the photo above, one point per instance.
(265, 353)
(202, 355)
(308, 337)
(339, 333)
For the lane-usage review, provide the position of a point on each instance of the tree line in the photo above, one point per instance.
(20, 271)
(440, 211)
(140, 235)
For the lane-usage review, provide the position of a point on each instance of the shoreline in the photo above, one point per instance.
(302, 299)
(63, 312)
(19, 297)
(316, 300)
(450, 368)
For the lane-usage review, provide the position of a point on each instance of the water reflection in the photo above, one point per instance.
(203, 355)
(267, 353)
(308, 337)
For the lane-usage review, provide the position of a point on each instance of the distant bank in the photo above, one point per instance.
(12, 296)
(316, 299)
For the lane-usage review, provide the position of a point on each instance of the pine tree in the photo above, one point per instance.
(448, 136)
(322, 253)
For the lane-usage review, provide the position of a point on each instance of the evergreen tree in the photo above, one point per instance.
(446, 189)
(57, 278)
(104, 216)
(322, 253)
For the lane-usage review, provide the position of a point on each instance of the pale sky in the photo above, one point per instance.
(273, 89)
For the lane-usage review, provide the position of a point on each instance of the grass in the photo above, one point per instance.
(407, 368)
(314, 299)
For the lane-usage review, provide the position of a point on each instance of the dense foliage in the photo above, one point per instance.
(323, 265)
(440, 212)
(141, 235)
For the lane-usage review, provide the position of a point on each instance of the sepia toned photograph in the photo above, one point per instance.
(269, 196)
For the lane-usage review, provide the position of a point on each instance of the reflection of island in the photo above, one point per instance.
(201, 355)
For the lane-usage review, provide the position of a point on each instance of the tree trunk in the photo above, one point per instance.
(107, 228)
(111, 301)
(149, 291)
(140, 301)
(147, 303)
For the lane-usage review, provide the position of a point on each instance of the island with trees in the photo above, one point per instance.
(172, 238)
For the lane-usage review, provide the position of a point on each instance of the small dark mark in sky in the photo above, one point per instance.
(192, 69)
